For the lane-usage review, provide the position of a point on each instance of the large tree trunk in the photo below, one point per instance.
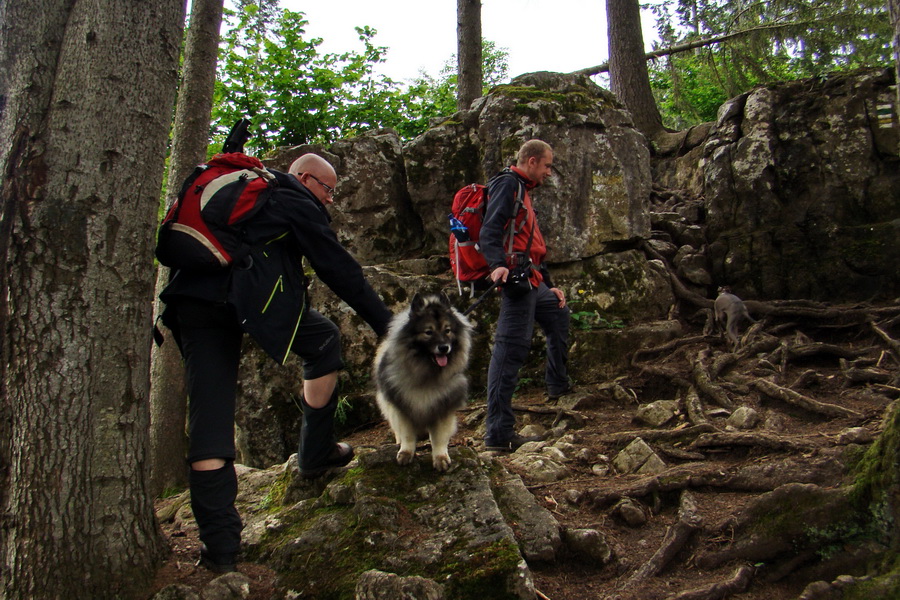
(629, 78)
(190, 137)
(470, 78)
(894, 10)
(87, 91)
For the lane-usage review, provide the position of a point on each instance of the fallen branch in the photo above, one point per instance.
(737, 584)
(676, 537)
(791, 397)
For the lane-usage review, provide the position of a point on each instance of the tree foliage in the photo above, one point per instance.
(769, 41)
(271, 72)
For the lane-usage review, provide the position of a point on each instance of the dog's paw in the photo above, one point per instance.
(441, 462)
(404, 457)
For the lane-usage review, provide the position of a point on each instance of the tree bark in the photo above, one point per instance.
(894, 11)
(470, 78)
(629, 78)
(190, 138)
(86, 93)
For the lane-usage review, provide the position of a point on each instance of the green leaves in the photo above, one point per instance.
(272, 73)
(761, 42)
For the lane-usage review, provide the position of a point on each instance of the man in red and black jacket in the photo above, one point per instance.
(509, 205)
(265, 296)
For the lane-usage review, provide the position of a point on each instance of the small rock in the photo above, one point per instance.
(638, 457)
(588, 546)
(855, 435)
(230, 586)
(378, 585)
(176, 591)
(657, 413)
(744, 417)
(631, 512)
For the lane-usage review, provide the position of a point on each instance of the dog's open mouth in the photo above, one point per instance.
(441, 359)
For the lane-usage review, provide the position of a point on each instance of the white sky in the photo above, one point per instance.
(539, 35)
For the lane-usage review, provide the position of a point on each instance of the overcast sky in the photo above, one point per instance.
(539, 35)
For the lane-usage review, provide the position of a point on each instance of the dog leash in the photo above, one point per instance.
(481, 297)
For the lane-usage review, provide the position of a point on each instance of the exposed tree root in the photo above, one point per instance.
(671, 345)
(760, 440)
(706, 386)
(736, 584)
(623, 438)
(797, 399)
(676, 537)
(694, 407)
(762, 477)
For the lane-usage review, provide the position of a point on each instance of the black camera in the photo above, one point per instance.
(518, 282)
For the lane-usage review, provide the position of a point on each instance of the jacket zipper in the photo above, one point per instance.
(279, 287)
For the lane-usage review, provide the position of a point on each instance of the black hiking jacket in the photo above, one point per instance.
(269, 295)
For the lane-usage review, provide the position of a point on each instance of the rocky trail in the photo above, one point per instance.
(704, 473)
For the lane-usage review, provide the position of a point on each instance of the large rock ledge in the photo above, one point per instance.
(469, 532)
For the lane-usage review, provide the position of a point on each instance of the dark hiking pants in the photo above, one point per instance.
(512, 342)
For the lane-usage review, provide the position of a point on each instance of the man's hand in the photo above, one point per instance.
(560, 295)
(499, 274)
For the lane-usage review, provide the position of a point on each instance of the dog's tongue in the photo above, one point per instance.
(441, 360)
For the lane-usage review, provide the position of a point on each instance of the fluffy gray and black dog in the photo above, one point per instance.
(420, 375)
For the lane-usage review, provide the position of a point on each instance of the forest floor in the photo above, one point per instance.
(812, 366)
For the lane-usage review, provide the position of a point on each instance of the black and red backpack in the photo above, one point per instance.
(203, 230)
(466, 217)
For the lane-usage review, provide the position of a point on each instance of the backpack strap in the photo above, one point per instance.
(517, 207)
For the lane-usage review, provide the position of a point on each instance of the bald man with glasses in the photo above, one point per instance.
(266, 298)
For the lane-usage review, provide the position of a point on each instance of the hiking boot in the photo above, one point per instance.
(340, 456)
(555, 396)
(217, 563)
(512, 444)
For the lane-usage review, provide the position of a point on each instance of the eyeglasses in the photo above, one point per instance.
(328, 189)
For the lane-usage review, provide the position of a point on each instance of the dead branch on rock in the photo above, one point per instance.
(791, 397)
(759, 440)
(706, 386)
(737, 584)
(689, 521)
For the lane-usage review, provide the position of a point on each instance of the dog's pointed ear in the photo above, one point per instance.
(445, 300)
(418, 303)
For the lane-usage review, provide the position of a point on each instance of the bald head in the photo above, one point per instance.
(317, 175)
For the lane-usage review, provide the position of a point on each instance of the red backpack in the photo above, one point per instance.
(466, 216)
(203, 229)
